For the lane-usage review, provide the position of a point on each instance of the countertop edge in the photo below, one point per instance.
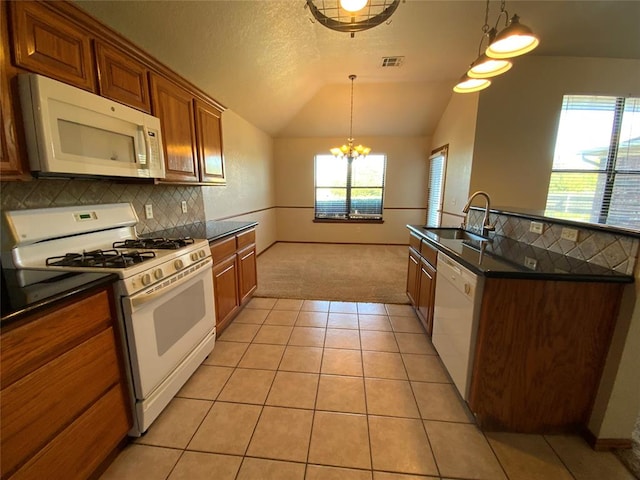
(232, 231)
(563, 277)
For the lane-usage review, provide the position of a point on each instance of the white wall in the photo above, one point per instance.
(457, 129)
(618, 402)
(404, 195)
(518, 118)
(250, 190)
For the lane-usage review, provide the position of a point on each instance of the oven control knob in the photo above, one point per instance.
(201, 253)
(158, 273)
(146, 279)
(178, 264)
(194, 256)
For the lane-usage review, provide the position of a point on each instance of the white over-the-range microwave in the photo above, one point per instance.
(72, 132)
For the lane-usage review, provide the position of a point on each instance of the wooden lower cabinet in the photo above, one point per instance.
(412, 276)
(234, 275)
(225, 287)
(426, 294)
(421, 280)
(540, 353)
(248, 276)
(64, 398)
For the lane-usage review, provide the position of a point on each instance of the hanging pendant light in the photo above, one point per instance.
(351, 16)
(470, 85)
(487, 67)
(349, 150)
(482, 67)
(516, 39)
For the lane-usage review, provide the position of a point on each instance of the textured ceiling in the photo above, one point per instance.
(288, 76)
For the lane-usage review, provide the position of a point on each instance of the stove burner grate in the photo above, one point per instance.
(100, 258)
(159, 243)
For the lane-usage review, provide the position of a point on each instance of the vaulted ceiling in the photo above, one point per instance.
(272, 65)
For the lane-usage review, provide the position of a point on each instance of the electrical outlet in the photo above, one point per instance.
(183, 205)
(530, 263)
(536, 227)
(148, 211)
(570, 234)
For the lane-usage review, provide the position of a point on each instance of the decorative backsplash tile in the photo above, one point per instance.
(166, 199)
(614, 251)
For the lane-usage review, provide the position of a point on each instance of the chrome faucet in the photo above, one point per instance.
(486, 226)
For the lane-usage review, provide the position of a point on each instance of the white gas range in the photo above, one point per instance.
(164, 292)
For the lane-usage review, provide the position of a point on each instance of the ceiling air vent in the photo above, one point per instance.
(392, 61)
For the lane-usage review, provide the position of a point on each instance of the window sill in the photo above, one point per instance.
(348, 220)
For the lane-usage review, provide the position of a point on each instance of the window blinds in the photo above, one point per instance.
(436, 188)
(596, 166)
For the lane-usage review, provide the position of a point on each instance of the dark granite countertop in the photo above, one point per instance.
(18, 302)
(506, 258)
(212, 230)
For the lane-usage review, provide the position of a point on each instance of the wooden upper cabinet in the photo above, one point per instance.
(122, 78)
(174, 106)
(47, 43)
(209, 139)
(11, 165)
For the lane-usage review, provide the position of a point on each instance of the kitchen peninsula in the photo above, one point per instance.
(537, 305)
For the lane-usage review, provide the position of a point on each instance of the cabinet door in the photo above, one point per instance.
(413, 277)
(47, 43)
(248, 278)
(10, 160)
(209, 138)
(225, 290)
(121, 78)
(426, 292)
(174, 106)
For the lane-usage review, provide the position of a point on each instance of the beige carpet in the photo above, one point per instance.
(316, 271)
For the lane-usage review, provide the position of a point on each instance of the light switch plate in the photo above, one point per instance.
(184, 206)
(570, 234)
(148, 211)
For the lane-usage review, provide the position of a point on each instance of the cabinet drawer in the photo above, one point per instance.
(429, 253)
(30, 345)
(246, 238)
(44, 402)
(223, 249)
(83, 445)
(414, 241)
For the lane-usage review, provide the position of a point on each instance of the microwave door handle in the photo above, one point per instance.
(147, 146)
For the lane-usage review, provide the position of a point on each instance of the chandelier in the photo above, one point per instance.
(351, 16)
(349, 150)
(514, 40)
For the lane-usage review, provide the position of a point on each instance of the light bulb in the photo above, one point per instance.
(485, 67)
(353, 5)
(468, 85)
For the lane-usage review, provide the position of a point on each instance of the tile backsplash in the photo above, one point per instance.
(166, 199)
(610, 250)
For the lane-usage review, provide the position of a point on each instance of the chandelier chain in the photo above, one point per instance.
(352, 77)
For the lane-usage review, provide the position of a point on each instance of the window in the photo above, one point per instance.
(349, 190)
(596, 165)
(437, 162)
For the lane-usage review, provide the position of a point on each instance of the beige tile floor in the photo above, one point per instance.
(337, 391)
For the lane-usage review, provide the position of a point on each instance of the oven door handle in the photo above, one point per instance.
(165, 286)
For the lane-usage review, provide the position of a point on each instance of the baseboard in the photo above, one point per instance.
(606, 444)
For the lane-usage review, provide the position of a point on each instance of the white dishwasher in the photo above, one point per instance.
(455, 319)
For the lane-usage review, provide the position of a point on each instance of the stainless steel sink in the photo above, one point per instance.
(456, 234)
